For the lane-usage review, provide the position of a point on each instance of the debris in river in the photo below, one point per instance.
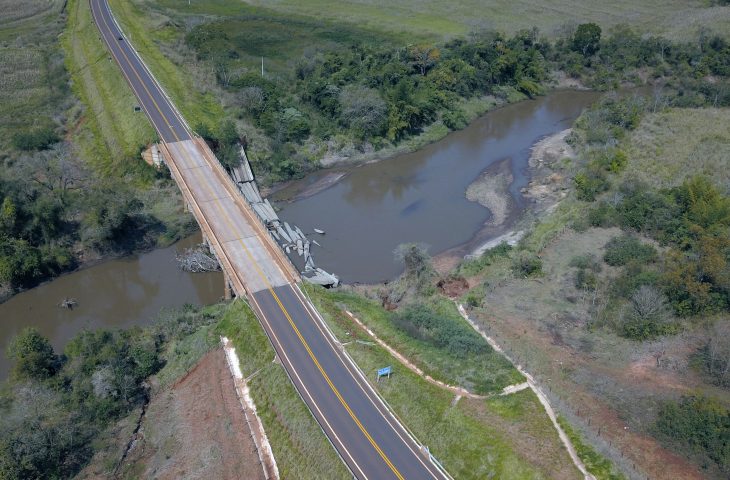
(197, 260)
(68, 303)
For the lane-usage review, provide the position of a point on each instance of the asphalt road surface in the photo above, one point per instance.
(372, 443)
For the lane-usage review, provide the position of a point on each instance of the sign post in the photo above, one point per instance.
(384, 372)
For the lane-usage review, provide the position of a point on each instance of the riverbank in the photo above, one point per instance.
(548, 184)
(421, 196)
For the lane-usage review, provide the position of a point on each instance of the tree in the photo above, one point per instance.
(423, 57)
(33, 355)
(587, 39)
(363, 110)
(8, 217)
(718, 353)
(418, 272)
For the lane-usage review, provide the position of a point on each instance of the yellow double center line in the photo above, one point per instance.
(266, 280)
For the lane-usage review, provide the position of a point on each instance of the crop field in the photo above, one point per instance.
(674, 18)
(31, 82)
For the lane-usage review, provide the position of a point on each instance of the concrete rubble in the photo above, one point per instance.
(291, 239)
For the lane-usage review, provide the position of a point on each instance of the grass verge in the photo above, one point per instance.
(595, 463)
(110, 134)
(195, 106)
(299, 445)
(481, 373)
(472, 438)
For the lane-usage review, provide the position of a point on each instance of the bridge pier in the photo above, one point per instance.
(227, 289)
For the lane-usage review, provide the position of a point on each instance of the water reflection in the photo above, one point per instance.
(419, 197)
(118, 293)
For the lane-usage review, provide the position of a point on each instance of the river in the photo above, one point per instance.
(420, 197)
(113, 294)
(417, 197)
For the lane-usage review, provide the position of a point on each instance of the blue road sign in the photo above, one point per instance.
(382, 372)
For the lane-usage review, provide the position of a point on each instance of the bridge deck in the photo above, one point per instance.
(231, 226)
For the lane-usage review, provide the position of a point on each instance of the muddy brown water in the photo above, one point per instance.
(114, 294)
(420, 197)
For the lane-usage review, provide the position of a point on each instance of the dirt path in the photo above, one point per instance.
(540, 395)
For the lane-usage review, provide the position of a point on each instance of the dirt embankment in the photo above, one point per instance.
(194, 429)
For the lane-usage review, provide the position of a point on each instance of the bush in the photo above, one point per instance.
(487, 258)
(717, 353)
(586, 262)
(647, 315)
(38, 139)
(455, 119)
(602, 215)
(585, 279)
(632, 277)
(624, 249)
(33, 356)
(527, 265)
(700, 424)
(588, 184)
(422, 323)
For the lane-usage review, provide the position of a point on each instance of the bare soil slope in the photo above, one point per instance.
(195, 429)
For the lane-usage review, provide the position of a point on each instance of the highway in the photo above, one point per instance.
(371, 442)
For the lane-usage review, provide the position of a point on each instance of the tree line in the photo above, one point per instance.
(380, 94)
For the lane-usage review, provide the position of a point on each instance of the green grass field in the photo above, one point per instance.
(674, 18)
(482, 373)
(32, 86)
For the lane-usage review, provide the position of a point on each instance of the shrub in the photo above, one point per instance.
(647, 315)
(717, 353)
(33, 355)
(527, 265)
(700, 424)
(632, 277)
(455, 119)
(624, 249)
(422, 323)
(587, 261)
(38, 139)
(588, 184)
(602, 215)
(585, 279)
(487, 258)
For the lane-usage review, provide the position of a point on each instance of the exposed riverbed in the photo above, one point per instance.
(114, 294)
(421, 196)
